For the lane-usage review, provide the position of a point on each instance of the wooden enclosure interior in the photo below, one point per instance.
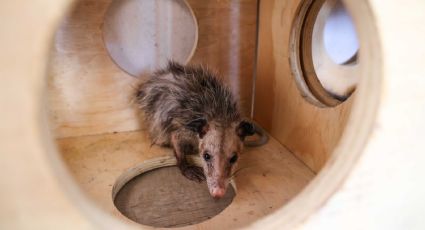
(92, 94)
(306, 130)
(100, 136)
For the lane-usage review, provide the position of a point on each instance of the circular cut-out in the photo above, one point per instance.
(164, 198)
(142, 35)
(322, 80)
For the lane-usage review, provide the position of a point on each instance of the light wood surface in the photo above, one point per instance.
(309, 132)
(373, 180)
(79, 65)
(88, 94)
(31, 194)
(227, 37)
(271, 175)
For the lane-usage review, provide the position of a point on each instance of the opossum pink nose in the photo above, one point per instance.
(218, 192)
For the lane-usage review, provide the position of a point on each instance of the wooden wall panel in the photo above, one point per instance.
(270, 176)
(227, 37)
(310, 132)
(374, 180)
(88, 94)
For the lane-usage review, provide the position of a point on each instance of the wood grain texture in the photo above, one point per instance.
(163, 197)
(310, 132)
(374, 180)
(88, 94)
(270, 178)
(227, 37)
(142, 36)
(31, 195)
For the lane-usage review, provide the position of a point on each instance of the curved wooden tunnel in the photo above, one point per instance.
(68, 139)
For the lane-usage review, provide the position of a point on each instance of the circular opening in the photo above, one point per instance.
(327, 183)
(339, 35)
(327, 55)
(320, 197)
(164, 198)
(141, 36)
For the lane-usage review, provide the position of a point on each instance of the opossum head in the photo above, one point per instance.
(220, 147)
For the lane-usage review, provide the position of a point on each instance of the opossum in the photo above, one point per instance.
(190, 109)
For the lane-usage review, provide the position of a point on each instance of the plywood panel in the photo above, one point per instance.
(310, 132)
(270, 177)
(88, 94)
(379, 164)
(227, 37)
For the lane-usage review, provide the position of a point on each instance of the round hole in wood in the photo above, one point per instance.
(142, 35)
(318, 193)
(326, 72)
(164, 198)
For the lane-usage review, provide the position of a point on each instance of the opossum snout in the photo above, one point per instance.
(218, 192)
(217, 186)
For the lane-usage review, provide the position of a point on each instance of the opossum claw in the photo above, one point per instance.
(194, 173)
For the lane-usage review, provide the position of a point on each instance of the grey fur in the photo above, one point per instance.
(190, 109)
(177, 95)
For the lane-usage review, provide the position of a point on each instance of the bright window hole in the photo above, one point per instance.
(339, 36)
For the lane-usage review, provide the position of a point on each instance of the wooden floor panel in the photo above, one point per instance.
(270, 178)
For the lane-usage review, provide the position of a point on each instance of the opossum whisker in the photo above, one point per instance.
(239, 170)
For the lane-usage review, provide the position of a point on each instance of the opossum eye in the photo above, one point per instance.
(233, 159)
(207, 157)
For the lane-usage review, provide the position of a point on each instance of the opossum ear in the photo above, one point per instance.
(244, 129)
(199, 125)
(175, 67)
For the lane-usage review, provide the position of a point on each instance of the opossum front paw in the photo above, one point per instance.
(193, 173)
